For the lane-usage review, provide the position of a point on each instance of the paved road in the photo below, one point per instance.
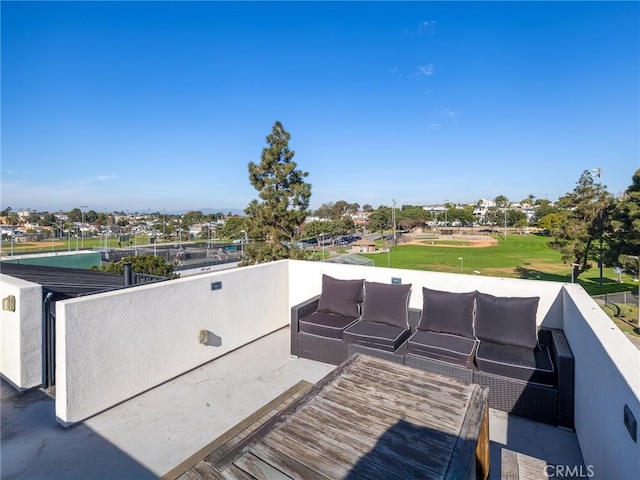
(634, 339)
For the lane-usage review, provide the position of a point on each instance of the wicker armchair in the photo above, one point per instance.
(314, 347)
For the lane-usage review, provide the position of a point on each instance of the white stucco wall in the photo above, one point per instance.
(607, 377)
(113, 346)
(21, 333)
(306, 281)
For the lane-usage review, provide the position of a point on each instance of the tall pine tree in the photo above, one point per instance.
(585, 220)
(625, 240)
(283, 201)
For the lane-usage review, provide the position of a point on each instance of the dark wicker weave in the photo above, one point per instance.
(564, 361)
(458, 372)
(524, 399)
(297, 312)
(552, 405)
(314, 347)
(321, 349)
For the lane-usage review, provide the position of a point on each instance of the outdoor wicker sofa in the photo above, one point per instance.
(318, 325)
(473, 336)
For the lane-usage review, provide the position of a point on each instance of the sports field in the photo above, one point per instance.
(520, 256)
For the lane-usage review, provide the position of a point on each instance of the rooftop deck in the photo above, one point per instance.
(148, 435)
(133, 412)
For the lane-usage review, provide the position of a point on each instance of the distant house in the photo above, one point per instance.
(360, 219)
(27, 237)
(363, 246)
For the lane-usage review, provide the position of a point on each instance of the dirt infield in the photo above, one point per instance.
(42, 246)
(450, 241)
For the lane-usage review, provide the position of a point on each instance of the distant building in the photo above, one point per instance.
(363, 246)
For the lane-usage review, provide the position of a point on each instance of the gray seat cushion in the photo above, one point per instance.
(527, 364)
(443, 346)
(376, 335)
(325, 324)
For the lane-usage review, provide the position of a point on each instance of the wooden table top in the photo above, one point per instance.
(370, 418)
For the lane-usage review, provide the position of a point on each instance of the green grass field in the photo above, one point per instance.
(61, 245)
(521, 256)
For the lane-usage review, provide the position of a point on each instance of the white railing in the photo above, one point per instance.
(607, 377)
(20, 333)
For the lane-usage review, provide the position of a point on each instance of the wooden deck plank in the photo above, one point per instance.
(434, 390)
(427, 442)
(235, 473)
(286, 463)
(190, 475)
(450, 401)
(296, 446)
(206, 471)
(259, 469)
(411, 376)
(389, 451)
(448, 420)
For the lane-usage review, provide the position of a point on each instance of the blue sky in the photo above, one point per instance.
(161, 105)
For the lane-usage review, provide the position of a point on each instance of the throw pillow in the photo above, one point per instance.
(340, 297)
(447, 312)
(386, 303)
(507, 320)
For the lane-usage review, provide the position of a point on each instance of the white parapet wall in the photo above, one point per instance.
(306, 281)
(607, 378)
(21, 333)
(113, 346)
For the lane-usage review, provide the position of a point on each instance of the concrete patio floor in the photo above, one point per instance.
(148, 435)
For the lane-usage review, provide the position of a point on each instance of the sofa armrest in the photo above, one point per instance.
(565, 363)
(299, 311)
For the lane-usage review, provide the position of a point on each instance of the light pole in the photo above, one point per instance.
(83, 208)
(242, 242)
(573, 271)
(322, 236)
(598, 173)
(461, 264)
(393, 220)
(505, 224)
(445, 212)
(635, 257)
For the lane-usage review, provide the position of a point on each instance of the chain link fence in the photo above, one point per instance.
(621, 297)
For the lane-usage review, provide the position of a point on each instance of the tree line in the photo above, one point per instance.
(584, 225)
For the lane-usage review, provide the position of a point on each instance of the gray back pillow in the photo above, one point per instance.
(507, 320)
(340, 297)
(447, 312)
(386, 303)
